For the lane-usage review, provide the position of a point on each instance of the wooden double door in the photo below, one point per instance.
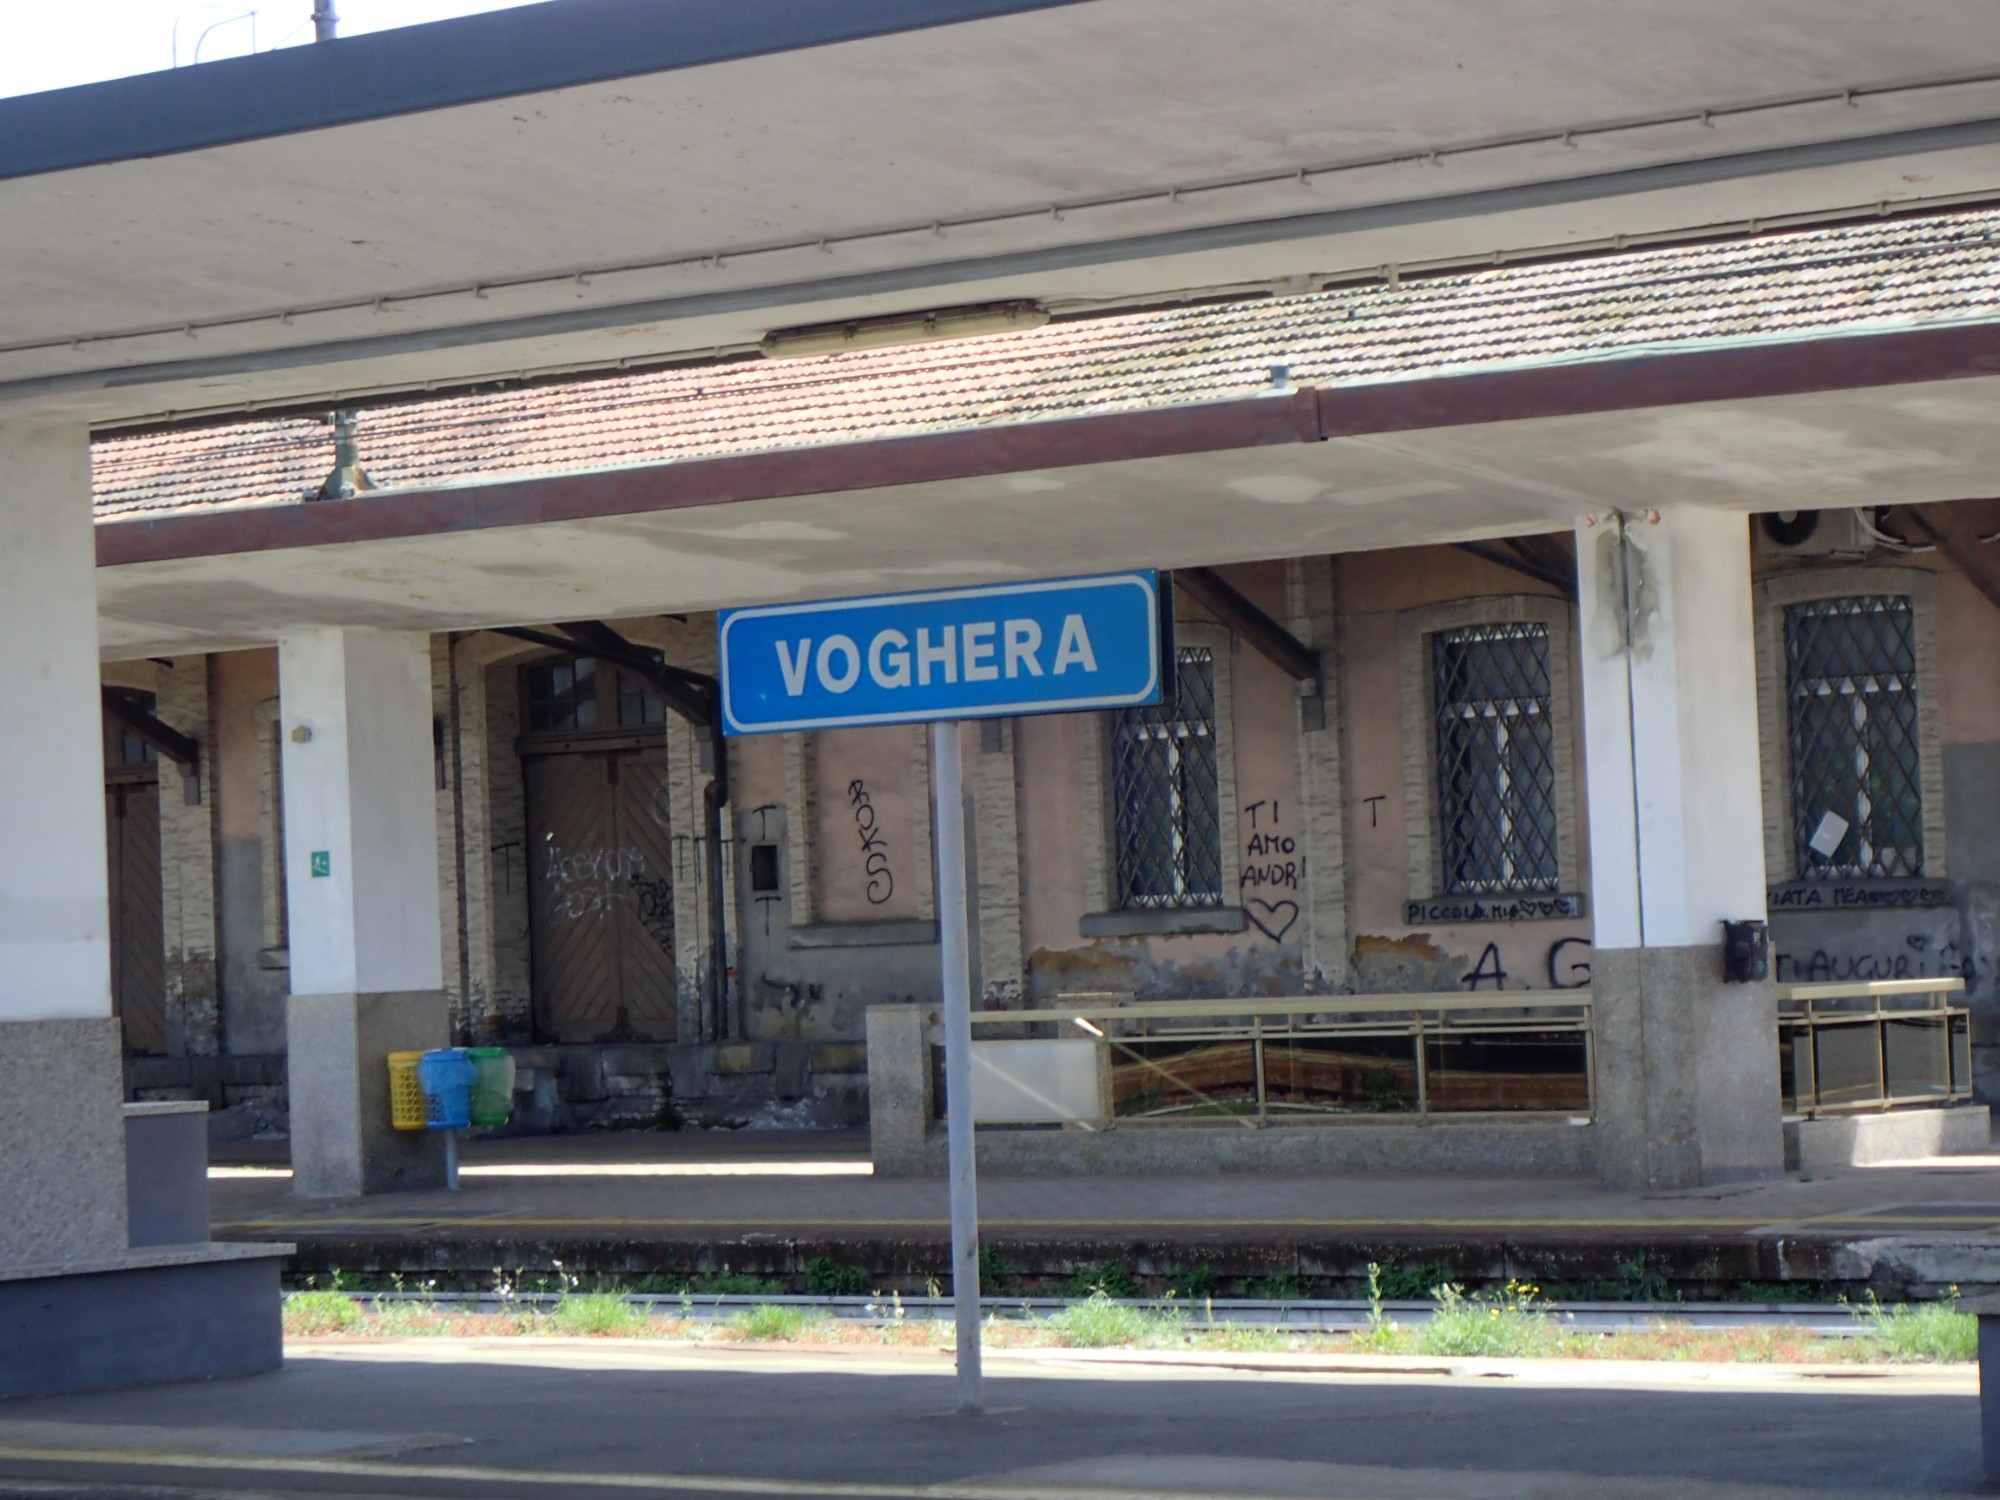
(138, 928)
(600, 857)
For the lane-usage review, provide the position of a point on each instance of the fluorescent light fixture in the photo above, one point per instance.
(904, 328)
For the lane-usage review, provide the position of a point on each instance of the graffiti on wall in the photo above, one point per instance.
(1918, 958)
(655, 902)
(1568, 963)
(583, 884)
(874, 847)
(1271, 865)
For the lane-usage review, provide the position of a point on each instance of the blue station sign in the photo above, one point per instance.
(1025, 648)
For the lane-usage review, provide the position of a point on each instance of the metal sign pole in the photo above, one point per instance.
(948, 821)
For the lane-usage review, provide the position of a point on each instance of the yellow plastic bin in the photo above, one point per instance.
(407, 1110)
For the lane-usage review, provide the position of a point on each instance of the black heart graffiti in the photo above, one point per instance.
(1277, 917)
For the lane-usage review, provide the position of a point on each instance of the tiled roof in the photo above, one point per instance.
(1891, 273)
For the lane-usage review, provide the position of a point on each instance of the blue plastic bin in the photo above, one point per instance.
(446, 1076)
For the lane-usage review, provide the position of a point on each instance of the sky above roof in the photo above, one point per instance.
(53, 45)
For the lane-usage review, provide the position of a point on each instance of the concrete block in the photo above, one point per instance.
(583, 1074)
(789, 1077)
(1687, 1070)
(343, 1143)
(633, 1062)
(145, 1073)
(166, 1173)
(744, 1057)
(631, 1085)
(839, 1057)
(205, 1313)
(840, 1101)
(899, 1088)
(688, 1070)
(247, 1069)
(62, 1174)
(1895, 1135)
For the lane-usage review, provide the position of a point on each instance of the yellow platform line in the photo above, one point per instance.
(698, 1484)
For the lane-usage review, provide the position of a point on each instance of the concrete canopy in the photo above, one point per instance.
(586, 181)
(1396, 464)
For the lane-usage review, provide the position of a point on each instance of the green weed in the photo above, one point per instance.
(827, 1277)
(994, 1273)
(1246, 1338)
(1101, 1323)
(1406, 1281)
(1193, 1285)
(736, 1284)
(1920, 1332)
(1280, 1286)
(771, 1324)
(1103, 1280)
(308, 1314)
(598, 1315)
(1507, 1324)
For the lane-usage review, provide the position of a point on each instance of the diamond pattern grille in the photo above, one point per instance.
(1495, 759)
(1851, 678)
(1168, 804)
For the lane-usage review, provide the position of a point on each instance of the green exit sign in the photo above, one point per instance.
(322, 863)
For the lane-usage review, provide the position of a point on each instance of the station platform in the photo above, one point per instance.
(626, 1207)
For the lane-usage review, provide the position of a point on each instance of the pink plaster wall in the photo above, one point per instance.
(869, 856)
(1390, 955)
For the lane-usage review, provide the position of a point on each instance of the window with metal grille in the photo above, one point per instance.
(1167, 801)
(1851, 689)
(1496, 763)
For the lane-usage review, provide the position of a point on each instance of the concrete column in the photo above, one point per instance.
(1687, 1066)
(899, 1088)
(361, 882)
(188, 867)
(62, 1172)
(992, 774)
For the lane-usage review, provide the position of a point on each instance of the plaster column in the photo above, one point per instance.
(1687, 1066)
(62, 1169)
(361, 883)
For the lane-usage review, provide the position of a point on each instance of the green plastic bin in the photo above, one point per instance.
(492, 1085)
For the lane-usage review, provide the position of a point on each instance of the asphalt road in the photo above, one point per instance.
(542, 1418)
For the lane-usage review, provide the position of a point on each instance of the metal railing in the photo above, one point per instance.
(1845, 1048)
(1320, 1058)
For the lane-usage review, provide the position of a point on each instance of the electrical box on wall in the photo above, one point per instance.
(1814, 533)
(1746, 952)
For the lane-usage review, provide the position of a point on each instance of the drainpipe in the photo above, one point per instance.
(326, 21)
(713, 799)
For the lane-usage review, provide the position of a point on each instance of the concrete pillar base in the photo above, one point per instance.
(1687, 1070)
(343, 1144)
(147, 1317)
(899, 1088)
(62, 1174)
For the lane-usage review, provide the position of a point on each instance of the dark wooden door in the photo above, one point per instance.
(138, 930)
(600, 896)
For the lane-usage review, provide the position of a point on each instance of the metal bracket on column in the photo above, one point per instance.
(1286, 651)
(1538, 557)
(126, 706)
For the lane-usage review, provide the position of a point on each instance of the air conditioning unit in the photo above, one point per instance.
(1815, 533)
